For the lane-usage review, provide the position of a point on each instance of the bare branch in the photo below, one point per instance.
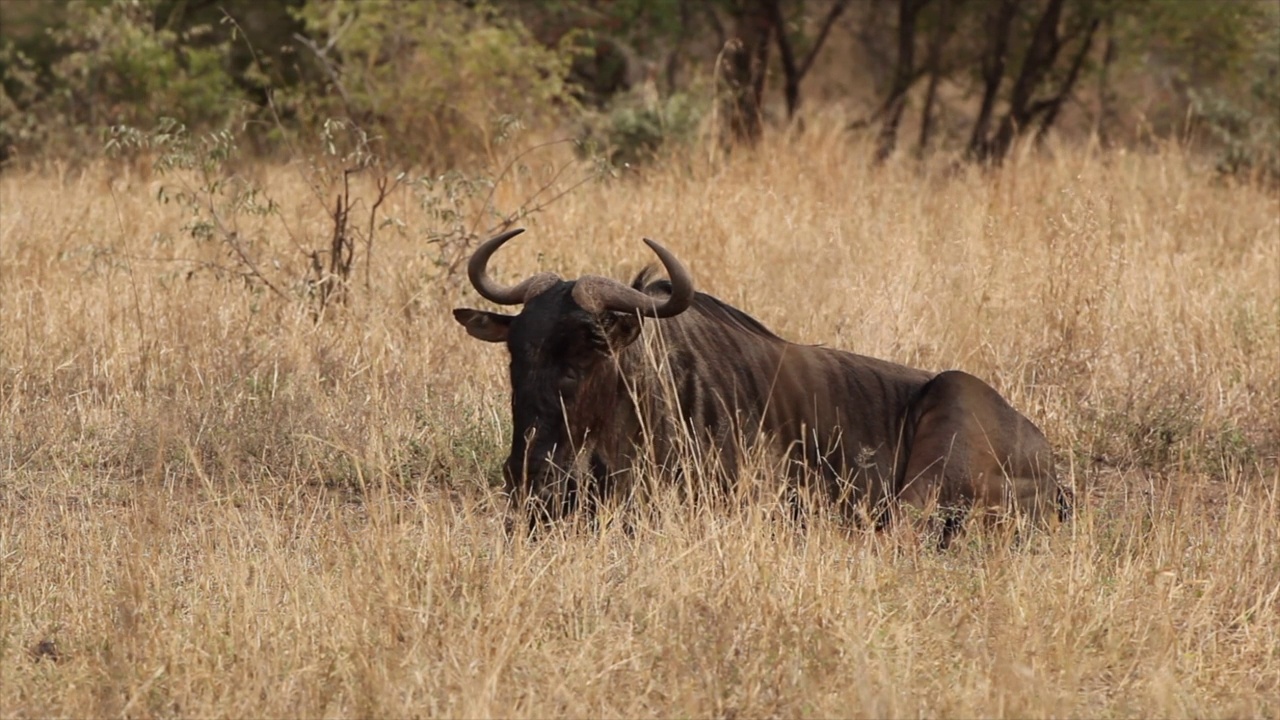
(322, 56)
(827, 22)
(384, 189)
(271, 103)
(232, 239)
(245, 274)
(507, 168)
(1054, 104)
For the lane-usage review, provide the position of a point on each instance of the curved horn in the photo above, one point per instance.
(598, 294)
(502, 294)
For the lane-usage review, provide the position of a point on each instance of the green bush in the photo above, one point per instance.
(20, 129)
(638, 128)
(440, 82)
(1248, 142)
(1247, 129)
(113, 67)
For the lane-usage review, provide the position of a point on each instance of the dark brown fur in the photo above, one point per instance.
(862, 431)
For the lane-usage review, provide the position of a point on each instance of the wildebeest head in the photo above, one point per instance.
(565, 382)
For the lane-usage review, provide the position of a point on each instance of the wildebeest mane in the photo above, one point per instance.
(707, 305)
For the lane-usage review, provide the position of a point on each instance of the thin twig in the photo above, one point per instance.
(246, 274)
(231, 238)
(547, 185)
(321, 55)
(271, 103)
(511, 163)
(384, 189)
(275, 115)
(523, 211)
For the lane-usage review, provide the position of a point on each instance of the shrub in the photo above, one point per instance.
(637, 129)
(1247, 129)
(114, 67)
(438, 81)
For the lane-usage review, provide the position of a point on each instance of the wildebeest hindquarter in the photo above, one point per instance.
(968, 447)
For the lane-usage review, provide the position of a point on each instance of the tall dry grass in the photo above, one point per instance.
(212, 506)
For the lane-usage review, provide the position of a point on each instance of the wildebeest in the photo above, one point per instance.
(603, 374)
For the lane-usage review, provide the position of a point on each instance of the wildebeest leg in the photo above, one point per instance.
(971, 450)
(602, 482)
(600, 491)
(797, 493)
(557, 499)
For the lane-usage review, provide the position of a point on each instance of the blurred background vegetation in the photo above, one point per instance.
(438, 83)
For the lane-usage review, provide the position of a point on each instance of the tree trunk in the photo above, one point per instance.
(903, 76)
(790, 69)
(1053, 106)
(933, 66)
(1036, 63)
(993, 64)
(1106, 96)
(794, 69)
(675, 58)
(745, 61)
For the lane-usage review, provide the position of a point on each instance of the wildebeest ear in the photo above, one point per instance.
(486, 326)
(623, 330)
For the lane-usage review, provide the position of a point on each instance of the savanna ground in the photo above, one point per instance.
(212, 505)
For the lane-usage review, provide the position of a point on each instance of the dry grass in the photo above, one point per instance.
(211, 506)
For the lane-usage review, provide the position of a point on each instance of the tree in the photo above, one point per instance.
(793, 69)
(1044, 48)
